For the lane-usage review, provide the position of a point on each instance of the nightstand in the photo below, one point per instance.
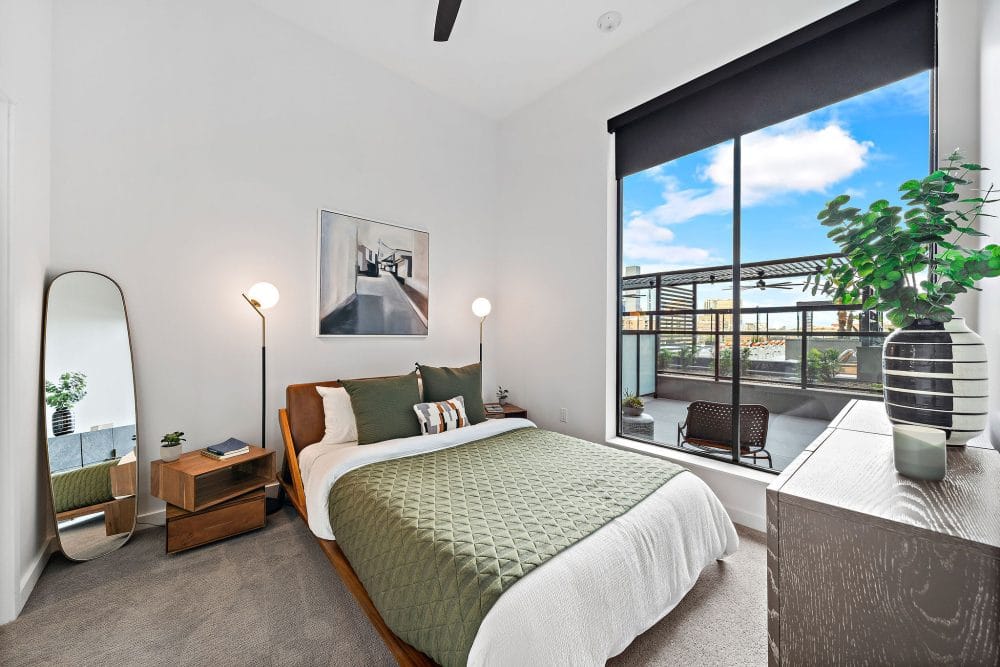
(209, 500)
(509, 410)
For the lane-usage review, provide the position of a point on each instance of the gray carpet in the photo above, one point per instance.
(271, 597)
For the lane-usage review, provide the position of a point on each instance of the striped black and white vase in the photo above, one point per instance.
(935, 375)
(63, 422)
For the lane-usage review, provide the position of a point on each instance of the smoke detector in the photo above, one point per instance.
(609, 21)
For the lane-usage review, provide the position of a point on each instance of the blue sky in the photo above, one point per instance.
(678, 215)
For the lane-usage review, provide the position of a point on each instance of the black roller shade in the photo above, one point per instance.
(864, 46)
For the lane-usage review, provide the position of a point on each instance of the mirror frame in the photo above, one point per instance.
(42, 425)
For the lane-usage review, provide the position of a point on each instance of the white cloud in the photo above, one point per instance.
(789, 158)
(651, 246)
(644, 231)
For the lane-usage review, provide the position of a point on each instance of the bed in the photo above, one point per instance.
(578, 588)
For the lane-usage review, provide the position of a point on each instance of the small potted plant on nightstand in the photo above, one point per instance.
(632, 405)
(170, 446)
(502, 395)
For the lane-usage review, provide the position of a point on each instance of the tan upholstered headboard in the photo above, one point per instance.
(305, 413)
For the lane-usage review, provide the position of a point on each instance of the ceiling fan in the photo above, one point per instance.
(761, 285)
(447, 12)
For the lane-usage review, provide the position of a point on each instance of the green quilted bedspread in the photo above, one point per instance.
(82, 487)
(437, 538)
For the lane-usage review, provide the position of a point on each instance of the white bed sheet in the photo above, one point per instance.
(588, 602)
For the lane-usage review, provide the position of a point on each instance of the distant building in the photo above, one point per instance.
(706, 322)
(635, 302)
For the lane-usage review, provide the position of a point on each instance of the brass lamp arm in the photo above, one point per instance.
(263, 320)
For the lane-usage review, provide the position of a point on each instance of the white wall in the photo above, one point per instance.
(989, 299)
(193, 143)
(558, 200)
(958, 101)
(25, 82)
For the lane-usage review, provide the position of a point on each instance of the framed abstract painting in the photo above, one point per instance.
(373, 277)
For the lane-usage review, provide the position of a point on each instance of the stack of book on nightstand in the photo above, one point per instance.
(226, 450)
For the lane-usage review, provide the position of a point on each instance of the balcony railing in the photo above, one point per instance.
(844, 354)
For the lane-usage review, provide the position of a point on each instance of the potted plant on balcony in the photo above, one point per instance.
(909, 262)
(632, 405)
(666, 356)
(70, 390)
(170, 446)
(822, 365)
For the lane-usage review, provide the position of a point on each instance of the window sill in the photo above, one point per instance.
(691, 461)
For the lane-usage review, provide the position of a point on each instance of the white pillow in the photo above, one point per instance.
(338, 416)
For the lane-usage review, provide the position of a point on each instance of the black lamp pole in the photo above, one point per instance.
(272, 504)
(263, 368)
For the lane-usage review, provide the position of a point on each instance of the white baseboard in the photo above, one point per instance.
(748, 519)
(34, 570)
(156, 517)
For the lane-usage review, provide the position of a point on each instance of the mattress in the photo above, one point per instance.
(587, 602)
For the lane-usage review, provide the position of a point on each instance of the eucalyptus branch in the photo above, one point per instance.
(887, 246)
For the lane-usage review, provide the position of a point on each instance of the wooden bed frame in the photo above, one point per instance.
(302, 423)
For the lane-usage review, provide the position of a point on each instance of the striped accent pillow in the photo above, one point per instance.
(441, 416)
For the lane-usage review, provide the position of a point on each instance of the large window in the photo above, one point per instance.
(717, 334)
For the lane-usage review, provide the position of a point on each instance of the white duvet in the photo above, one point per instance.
(588, 602)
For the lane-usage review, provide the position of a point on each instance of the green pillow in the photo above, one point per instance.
(383, 407)
(441, 384)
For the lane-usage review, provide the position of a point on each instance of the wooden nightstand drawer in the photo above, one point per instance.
(192, 529)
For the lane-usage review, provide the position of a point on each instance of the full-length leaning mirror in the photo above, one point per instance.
(89, 399)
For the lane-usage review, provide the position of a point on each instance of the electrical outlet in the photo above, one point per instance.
(563, 415)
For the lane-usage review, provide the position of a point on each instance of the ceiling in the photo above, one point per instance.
(502, 54)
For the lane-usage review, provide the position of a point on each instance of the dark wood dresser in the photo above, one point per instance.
(866, 566)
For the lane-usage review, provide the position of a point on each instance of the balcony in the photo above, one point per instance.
(802, 361)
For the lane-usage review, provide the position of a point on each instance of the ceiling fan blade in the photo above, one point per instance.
(446, 14)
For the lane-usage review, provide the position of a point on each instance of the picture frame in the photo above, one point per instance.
(373, 277)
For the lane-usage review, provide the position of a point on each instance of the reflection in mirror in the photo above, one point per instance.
(90, 414)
